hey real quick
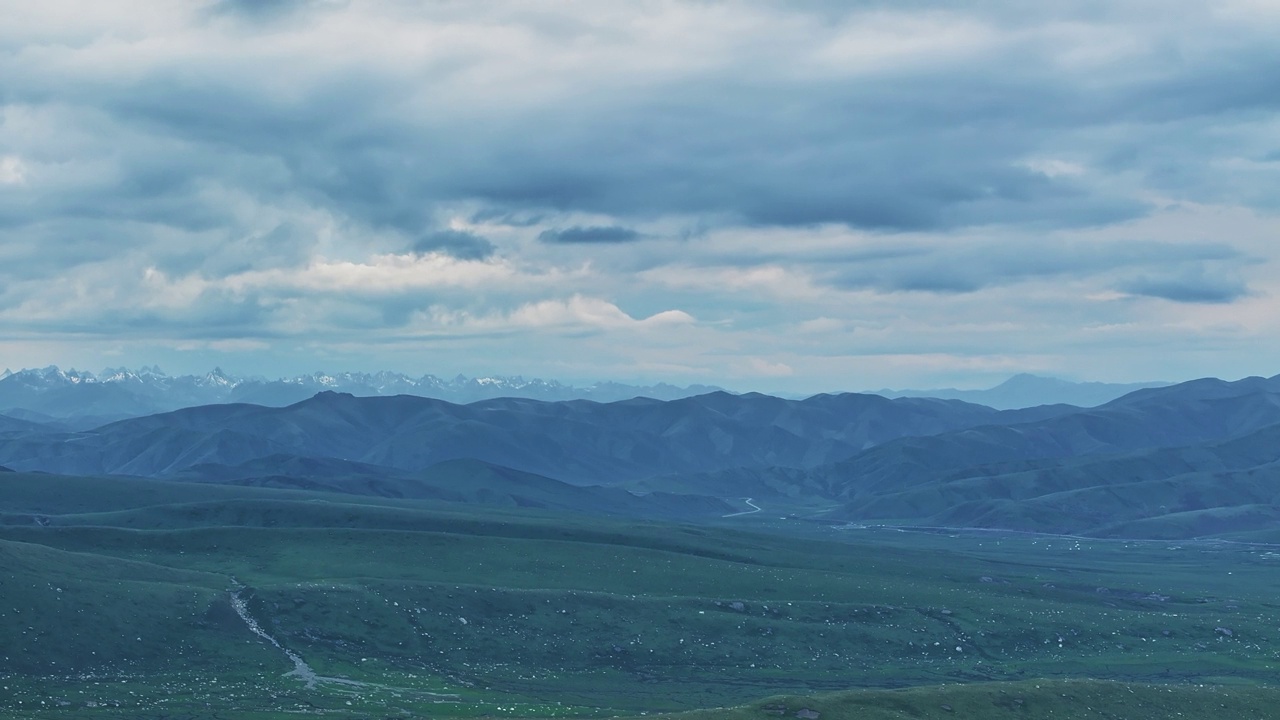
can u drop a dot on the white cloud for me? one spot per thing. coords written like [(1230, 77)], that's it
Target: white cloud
[(1054, 167), (759, 367), (575, 313), (235, 345), (383, 274), (898, 41), (12, 170)]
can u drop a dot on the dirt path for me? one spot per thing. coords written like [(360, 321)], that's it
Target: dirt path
[(305, 672), (300, 669), (755, 509)]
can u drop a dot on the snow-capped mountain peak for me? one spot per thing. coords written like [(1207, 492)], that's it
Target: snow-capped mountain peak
[(218, 378), (50, 377), (149, 390)]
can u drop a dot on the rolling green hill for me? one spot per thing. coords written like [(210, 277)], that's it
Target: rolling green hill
[(1042, 700), (580, 442), (121, 591)]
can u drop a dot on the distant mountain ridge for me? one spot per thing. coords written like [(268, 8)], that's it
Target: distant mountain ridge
[(1027, 390), (1196, 459), (82, 400), (1187, 460), (577, 441), (87, 399)]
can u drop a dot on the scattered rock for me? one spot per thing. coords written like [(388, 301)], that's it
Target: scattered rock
[(737, 606), (947, 708), (807, 714), (1224, 631)]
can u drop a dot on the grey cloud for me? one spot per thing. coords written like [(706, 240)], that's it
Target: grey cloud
[(238, 156), (912, 149), (264, 9), (214, 315), (590, 235), (508, 217), (972, 266), (459, 244), (1192, 286)]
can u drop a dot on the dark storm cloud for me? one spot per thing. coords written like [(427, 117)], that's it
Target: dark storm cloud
[(927, 147), (261, 9), (579, 235), (1194, 286), (459, 244), (972, 266)]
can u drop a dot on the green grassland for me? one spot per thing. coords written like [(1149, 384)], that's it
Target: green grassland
[(1057, 699), (115, 601)]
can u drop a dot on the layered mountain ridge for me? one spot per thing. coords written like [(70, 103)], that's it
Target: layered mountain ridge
[(1198, 458)]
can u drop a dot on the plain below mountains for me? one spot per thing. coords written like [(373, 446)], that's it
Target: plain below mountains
[(1195, 459)]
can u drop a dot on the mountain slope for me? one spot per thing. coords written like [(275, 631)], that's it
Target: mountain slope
[(1203, 455), (462, 481), (1202, 411), (1201, 458), (576, 441)]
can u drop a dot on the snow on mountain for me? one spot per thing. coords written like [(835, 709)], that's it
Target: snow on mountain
[(123, 392), (218, 379), (50, 377)]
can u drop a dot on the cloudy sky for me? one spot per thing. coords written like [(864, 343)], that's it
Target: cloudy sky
[(802, 196)]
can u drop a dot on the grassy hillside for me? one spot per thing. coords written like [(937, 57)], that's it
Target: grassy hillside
[(1192, 460), (580, 442), (523, 610), (68, 611), (1027, 700)]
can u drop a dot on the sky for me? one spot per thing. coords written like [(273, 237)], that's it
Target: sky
[(798, 197)]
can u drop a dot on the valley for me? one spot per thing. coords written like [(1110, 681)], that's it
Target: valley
[(402, 557), (522, 610)]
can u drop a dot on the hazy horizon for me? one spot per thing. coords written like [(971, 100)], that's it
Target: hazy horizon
[(1044, 380)]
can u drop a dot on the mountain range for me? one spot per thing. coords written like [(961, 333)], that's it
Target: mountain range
[(1193, 459), (83, 400), (1027, 390)]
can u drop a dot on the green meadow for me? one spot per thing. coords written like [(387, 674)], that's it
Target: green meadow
[(118, 602)]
